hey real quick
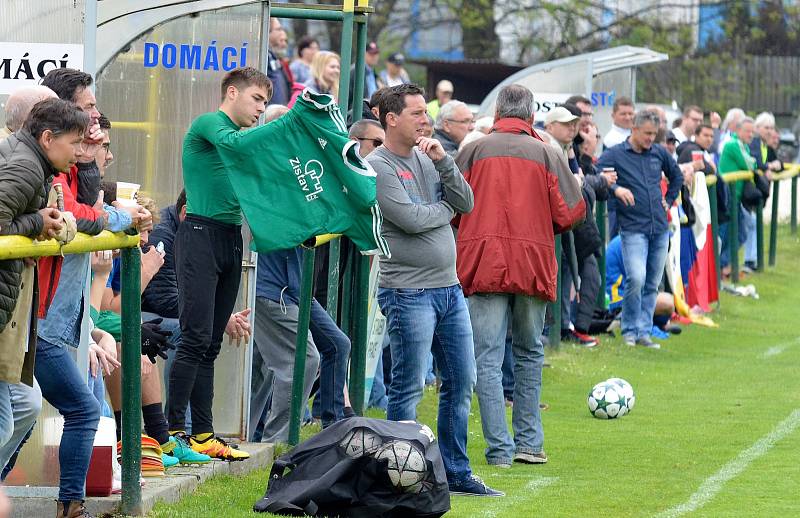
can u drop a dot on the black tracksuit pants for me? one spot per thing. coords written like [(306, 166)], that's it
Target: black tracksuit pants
[(208, 262)]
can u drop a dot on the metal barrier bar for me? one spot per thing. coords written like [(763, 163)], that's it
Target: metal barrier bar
[(358, 354), (793, 217), (760, 236), (600, 218), (773, 225), (301, 346), (131, 381), (733, 235), (346, 52), (15, 247), (555, 328), (358, 83), (332, 301)]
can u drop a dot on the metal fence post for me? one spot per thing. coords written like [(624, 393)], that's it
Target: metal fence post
[(733, 234), (358, 82), (346, 52), (760, 236), (131, 381), (358, 353), (301, 346), (555, 329), (600, 219), (793, 219), (773, 224), (332, 302)]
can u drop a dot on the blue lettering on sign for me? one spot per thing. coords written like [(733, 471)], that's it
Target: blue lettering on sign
[(194, 57), (603, 98)]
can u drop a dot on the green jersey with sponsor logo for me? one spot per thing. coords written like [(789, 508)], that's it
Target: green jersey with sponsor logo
[(301, 176)]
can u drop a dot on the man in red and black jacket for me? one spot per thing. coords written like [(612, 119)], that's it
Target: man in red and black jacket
[(525, 193)]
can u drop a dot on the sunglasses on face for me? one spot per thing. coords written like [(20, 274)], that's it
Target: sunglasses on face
[(375, 141)]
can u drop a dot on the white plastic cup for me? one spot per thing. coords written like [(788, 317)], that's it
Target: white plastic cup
[(128, 194)]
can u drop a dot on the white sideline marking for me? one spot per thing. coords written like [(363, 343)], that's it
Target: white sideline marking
[(732, 469), (778, 349), (530, 488)]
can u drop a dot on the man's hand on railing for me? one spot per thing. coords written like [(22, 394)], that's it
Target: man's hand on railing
[(625, 196), (53, 222), (154, 340)]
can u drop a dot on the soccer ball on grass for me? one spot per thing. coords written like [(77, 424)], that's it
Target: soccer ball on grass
[(610, 399)]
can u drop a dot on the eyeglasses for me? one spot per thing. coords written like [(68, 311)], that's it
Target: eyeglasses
[(375, 141), (587, 114), (464, 121)]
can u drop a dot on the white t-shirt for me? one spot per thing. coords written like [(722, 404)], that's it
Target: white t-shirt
[(616, 136)]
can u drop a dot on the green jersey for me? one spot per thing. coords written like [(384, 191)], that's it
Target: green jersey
[(301, 176), (209, 192)]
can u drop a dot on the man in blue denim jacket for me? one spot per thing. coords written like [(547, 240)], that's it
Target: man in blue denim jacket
[(642, 218)]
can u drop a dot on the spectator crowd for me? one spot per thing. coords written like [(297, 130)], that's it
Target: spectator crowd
[(471, 209)]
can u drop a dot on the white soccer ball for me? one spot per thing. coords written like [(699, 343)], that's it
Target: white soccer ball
[(627, 391), (360, 441), (406, 465), (606, 401)]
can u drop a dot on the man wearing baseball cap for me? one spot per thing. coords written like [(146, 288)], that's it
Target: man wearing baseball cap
[(394, 74), (444, 94), (561, 126)]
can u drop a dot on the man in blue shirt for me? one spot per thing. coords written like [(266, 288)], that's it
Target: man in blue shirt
[(642, 219)]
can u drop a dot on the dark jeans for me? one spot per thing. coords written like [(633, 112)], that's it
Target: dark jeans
[(580, 313), (64, 387), (208, 262)]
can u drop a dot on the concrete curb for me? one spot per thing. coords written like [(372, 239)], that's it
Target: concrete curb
[(179, 482)]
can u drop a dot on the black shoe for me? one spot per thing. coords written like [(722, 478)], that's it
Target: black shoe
[(474, 486)]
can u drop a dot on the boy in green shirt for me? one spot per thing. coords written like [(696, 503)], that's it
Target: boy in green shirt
[(208, 259)]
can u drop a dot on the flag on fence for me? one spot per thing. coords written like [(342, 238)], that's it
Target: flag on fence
[(301, 176), (701, 280)]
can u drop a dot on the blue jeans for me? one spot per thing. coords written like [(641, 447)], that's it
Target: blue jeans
[(508, 367), (26, 403), (644, 257), (64, 387), (6, 414), (377, 396), (334, 351), (724, 252), (751, 244), (97, 386), (421, 321), (489, 314)]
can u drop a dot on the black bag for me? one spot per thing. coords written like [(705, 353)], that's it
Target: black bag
[(587, 235), (755, 192), (319, 478)]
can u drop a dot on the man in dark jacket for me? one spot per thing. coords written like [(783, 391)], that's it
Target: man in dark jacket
[(642, 217), (277, 68), (524, 193), (453, 123), (30, 158)]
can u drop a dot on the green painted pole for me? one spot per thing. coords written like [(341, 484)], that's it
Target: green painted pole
[(712, 197), (773, 224), (358, 353), (347, 292), (346, 51), (332, 302), (600, 218), (733, 234), (760, 236), (555, 329), (358, 83), (301, 346), (793, 220), (328, 15), (131, 381)]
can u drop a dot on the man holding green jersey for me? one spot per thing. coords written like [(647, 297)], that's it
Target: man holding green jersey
[(208, 258)]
